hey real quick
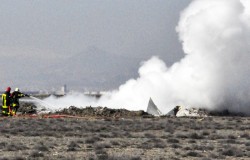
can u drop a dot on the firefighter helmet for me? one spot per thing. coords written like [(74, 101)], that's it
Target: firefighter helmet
[(8, 89)]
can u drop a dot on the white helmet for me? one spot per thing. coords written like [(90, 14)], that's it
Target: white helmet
[(17, 89)]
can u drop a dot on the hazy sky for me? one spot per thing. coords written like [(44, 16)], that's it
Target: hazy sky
[(37, 34)]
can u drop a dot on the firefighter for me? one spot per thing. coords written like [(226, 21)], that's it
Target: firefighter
[(15, 96), (6, 101)]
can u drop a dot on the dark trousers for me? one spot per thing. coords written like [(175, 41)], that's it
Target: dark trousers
[(5, 111)]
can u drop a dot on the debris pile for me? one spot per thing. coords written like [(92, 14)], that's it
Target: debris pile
[(178, 111), (27, 108), (102, 112), (152, 110), (191, 112)]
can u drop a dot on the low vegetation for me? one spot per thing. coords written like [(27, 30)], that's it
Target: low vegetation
[(119, 138)]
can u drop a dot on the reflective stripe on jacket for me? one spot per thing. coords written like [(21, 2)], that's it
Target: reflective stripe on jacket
[(6, 100)]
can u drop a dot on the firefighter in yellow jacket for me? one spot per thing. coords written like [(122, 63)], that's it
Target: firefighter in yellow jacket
[(15, 96), (6, 101)]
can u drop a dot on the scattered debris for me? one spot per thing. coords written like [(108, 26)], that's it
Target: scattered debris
[(180, 111), (101, 112), (27, 108), (152, 110)]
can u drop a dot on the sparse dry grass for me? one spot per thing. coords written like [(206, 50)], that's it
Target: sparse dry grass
[(149, 138)]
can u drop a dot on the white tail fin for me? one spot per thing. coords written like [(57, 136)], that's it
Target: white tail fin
[(152, 108)]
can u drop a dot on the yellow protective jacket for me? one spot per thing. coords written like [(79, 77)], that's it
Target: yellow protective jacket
[(15, 98), (6, 99)]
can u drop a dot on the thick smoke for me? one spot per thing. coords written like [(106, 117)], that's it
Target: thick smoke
[(214, 72)]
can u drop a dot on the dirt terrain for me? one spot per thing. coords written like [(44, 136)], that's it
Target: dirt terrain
[(102, 133)]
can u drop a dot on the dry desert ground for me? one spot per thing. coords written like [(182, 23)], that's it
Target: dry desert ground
[(136, 138)]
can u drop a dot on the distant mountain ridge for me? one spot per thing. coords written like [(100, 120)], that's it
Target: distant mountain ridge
[(93, 69)]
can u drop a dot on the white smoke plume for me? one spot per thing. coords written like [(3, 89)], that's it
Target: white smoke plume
[(214, 72)]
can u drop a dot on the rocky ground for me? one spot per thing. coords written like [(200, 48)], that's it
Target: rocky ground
[(102, 133)]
